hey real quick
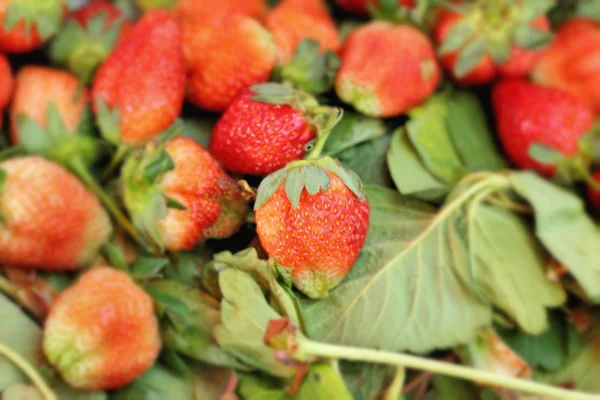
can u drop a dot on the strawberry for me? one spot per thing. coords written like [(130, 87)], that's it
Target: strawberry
[(313, 217), (143, 81), (491, 37), (102, 332), (48, 220), (7, 83), (289, 121), (88, 37), (178, 195), (186, 8), (27, 24), (38, 87), (225, 54), (362, 6), (387, 69), (528, 114), (572, 62), (291, 22)]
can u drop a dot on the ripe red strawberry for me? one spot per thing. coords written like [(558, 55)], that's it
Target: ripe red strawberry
[(26, 24), (38, 87), (313, 217), (291, 22), (387, 69), (48, 219), (485, 41), (144, 77), (88, 37), (361, 6), (186, 8), (288, 123), (224, 54), (572, 62), (178, 195), (528, 114), (7, 83), (102, 332)]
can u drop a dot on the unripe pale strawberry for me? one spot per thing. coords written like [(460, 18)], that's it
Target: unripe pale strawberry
[(102, 332), (48, 219)]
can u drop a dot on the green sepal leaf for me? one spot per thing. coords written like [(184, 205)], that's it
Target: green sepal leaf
[(500, 50), (54, 123), (532, 9), (294, 184), (148, 267), (174, 204), (109, 121), (528, 37), (545, 155), (273, 93), (95, 25), (457, 37), (45, 16), (269, 186), (115, 257), (167, 302), (470, 56), (315, 179), (32, 136), (157, 164), (349, 177)]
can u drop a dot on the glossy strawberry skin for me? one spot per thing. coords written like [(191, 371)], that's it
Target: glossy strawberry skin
[(519, 64), (101, 332), (7, 83), (291, 22), (49, 219), (258, 138), (527, 114), (361, 6), (37, 87), (145, 78), (320, 239), (224, 54), (214, 204), (572, 62), (387, 69)]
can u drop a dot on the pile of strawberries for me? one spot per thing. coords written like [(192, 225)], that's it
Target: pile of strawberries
[(97, 167)]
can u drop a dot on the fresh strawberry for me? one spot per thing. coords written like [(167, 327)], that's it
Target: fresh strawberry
[(178, 195), (491, 37), (528, 114), (88, 37), (288, 123), (362, 6), (313, 217), (102, 332), (387, 69), (38, 87), (143, 79), (7, 83), (186, 8), (27, 24), (572, 62), (291, 22), (225, 53), (48, 220)]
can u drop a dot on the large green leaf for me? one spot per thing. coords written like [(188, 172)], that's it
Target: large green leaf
[(158, 383), (402, 293), (351, 131), (564, 228), (368, 160)]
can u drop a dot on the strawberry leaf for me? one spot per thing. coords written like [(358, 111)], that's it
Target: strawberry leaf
[(148, 267), (470, 56), (316, 178), (273, 93), (108, 121), (349, 177), (268, 187), (32, 136), (457, 37), (294, 185), (530, 38), (156, 165), (545, 155), (115, 257), (174, 204), (157, 383)]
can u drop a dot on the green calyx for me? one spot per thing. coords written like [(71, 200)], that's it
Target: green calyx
[(109, 121), (148, 5), (310, 70), (311, 175), (45, 15), (492, 27), (143, 198), (82, 50)]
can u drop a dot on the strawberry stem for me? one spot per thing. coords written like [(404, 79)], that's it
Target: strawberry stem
[(28, 370), (309, 348), (122, 152)]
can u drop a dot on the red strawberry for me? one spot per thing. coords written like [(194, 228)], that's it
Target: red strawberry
[(187, 199), (144, 77), (225, 53), (387, 69), (102, 332), (572, 62), (528, 114), (7, 83), (362, 6), (484, 41), (291, 22), (313, 217), (38, 87), (267, 127), (27, 24), (48, 220), (186, 8), (88, 37)]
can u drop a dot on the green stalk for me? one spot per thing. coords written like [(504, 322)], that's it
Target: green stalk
[(309, 348), (122, 152), (29, 371)]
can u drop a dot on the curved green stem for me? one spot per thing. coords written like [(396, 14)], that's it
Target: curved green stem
[(28, 370), (79, 168), (122, 152), (310, 348)]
